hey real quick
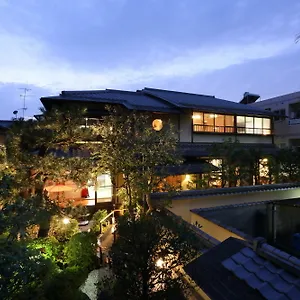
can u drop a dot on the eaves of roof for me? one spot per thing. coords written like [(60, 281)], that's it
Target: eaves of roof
[(205, 103), (107, 100), (192, 194)]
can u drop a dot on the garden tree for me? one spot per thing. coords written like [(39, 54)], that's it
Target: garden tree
[(243, 166), (231, 154), (22, 272), (147, 256), (41, 150), (131, 147), (289, 165)]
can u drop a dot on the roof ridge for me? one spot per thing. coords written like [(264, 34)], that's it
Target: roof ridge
[(285, 260), (121, 91), (81, 92), (171, 91)]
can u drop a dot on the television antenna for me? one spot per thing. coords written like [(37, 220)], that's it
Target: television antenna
[(23, 96)]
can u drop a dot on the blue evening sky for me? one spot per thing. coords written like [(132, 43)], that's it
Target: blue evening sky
[(218, 47)]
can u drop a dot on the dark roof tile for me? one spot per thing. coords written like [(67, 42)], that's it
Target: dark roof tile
[(230, 264), (288, 277), (254, 281), (271, 267), (259, 260), (294, 293), (252, 266), (265, 275), (248, 252), (268, 292), (280, 285), (240, 258)]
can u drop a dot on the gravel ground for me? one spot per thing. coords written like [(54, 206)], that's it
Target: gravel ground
[(90, 285)]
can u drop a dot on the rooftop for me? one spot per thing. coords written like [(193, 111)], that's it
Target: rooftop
[(277, 221), (236, 270), (156, 100), (227, 191)]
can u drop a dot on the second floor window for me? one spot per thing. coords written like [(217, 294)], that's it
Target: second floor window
[(208, 122)]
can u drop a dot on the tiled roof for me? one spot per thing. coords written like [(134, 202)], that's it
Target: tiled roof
[(235, 270), (204, 102), (271, 281), (5, 123), (217, 281), (204, 149), (158, 100), (227, 191), (131, 100)]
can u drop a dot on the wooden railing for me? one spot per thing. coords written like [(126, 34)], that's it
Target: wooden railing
[(110, 215)]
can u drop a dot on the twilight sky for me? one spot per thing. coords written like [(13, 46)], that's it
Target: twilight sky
[(217, 47)]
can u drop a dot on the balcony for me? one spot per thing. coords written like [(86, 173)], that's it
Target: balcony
[(294, 121)]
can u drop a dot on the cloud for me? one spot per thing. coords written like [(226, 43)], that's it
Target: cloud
[(25, 59)]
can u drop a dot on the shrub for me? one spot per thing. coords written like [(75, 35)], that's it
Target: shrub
[(49, 248), (62, 232), (65, 284), (22, 272), (80, 251), (97, 217)]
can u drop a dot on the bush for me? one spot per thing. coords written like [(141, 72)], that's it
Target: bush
[(62, 232), (65, 285), (80, 251), (97, 217), (22, 272), (49, 248)]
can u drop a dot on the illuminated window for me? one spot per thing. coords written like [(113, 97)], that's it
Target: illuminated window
[(253, 125), (157, 124), (209, 122), (102, 189)]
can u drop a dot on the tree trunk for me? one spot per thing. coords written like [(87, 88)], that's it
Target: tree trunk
[(149, 203)]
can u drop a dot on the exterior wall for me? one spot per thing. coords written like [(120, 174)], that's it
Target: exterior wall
[(289, 128), (185, 128), (214, 230), (250, 139), (219, 138), (211, 138), (183, 206)]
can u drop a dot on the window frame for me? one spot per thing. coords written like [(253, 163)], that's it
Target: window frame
[(264, 130)]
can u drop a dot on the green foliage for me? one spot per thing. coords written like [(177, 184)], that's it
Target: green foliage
[(140, 244), (22, 272), (39, 150), (130, 146), (63, 232), (65, 284), (289, 165), (17, 216), (49, 248), (97, 217), (80, 251)]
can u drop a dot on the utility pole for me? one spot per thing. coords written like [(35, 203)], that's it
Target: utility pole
[(24, 95)]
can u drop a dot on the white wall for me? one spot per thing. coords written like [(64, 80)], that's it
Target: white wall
[(182, 207)]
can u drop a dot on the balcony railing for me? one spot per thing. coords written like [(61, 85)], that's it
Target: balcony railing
[(294, 121)]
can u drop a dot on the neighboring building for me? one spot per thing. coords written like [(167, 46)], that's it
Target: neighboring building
[(286, 120), (200, 120)]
